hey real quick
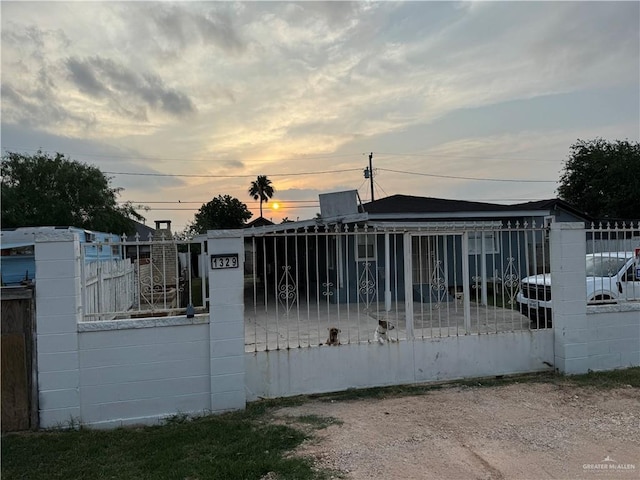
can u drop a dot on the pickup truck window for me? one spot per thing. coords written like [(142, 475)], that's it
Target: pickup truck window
[(604, 266)]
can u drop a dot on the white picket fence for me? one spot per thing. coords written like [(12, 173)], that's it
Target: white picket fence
[(135, 279), (109, 287)]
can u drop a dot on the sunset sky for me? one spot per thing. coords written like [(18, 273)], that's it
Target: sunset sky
[(473, 101)]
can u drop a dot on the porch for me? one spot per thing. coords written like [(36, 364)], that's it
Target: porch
[(271, 327)]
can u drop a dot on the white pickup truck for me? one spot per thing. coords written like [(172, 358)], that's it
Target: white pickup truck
[(611, 277)]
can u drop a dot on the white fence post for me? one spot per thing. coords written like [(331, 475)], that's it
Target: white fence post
[(568, 294), (226, 314), (408, 285), (58, 310)]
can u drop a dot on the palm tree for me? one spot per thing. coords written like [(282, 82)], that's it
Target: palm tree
[(261, 189)]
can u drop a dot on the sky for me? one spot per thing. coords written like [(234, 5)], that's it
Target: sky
[(179, 102)]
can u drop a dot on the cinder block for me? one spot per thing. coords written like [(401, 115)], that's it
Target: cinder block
[(227, 365), (55, 399), (609, 361), (222, 402), (57, 250), (69, 379), (576, 350), (57, 343), (113, 374), (145, 389), (227, 347), (624, 345), (62, 269), (52, 324), (598, 348), (56, 362), (227, 383), (61, 305), (134, 355), (573, 366), (563, 321), (61, 417), (630, 359), (575, 335), (226, 296), (221, 330), (227, 313)]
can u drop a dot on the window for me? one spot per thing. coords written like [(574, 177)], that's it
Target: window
[(490, 243), (423, 257), (365, 247)]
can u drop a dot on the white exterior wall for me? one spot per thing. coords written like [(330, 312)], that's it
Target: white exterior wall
[(281, 373)]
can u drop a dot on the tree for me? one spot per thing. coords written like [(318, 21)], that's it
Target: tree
[(40, 190), (603, 178), (223, 211), (261, 189)]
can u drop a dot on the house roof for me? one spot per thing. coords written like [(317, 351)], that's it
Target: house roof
[(259, 222), (143, 231), (407, 206), (553, 204), (411, 204)]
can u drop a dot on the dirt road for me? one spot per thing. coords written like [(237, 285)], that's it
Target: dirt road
[(520, 431)]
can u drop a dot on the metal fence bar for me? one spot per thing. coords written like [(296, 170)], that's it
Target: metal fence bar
[(349, 280), (119, 280)]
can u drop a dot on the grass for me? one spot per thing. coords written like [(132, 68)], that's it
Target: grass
[(230, 446), (238, 445)]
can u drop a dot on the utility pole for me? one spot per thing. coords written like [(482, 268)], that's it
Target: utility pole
[(368, 173)]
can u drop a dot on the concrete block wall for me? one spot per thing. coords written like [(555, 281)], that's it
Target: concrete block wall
[(226, 304), (58, 310), (282, 373), (139, 371), (613, 336), (586, 338), (136, 372)]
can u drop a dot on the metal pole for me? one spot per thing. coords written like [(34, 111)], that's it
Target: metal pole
[(371, 174)]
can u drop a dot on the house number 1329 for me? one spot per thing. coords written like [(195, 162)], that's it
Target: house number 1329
[(225, 260)]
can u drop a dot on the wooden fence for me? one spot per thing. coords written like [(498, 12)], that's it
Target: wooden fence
[(19, 360), (109, 287)]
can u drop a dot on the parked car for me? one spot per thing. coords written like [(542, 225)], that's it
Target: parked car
[(611, 277)]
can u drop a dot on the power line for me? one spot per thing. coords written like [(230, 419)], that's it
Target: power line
[(303, 155), (168, 159), (157, 209), (200, 203), (484, 157), (453, 177), (231, 176), (467, 178)]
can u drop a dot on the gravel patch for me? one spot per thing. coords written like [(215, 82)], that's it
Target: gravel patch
[(520, 431)]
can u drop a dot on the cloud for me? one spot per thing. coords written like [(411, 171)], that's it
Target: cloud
[(172, 29), (123, 86), (83, 76)]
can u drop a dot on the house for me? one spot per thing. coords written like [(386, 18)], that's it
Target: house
[(18, 264), (453, 244), (259, 222), (143, 235)]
